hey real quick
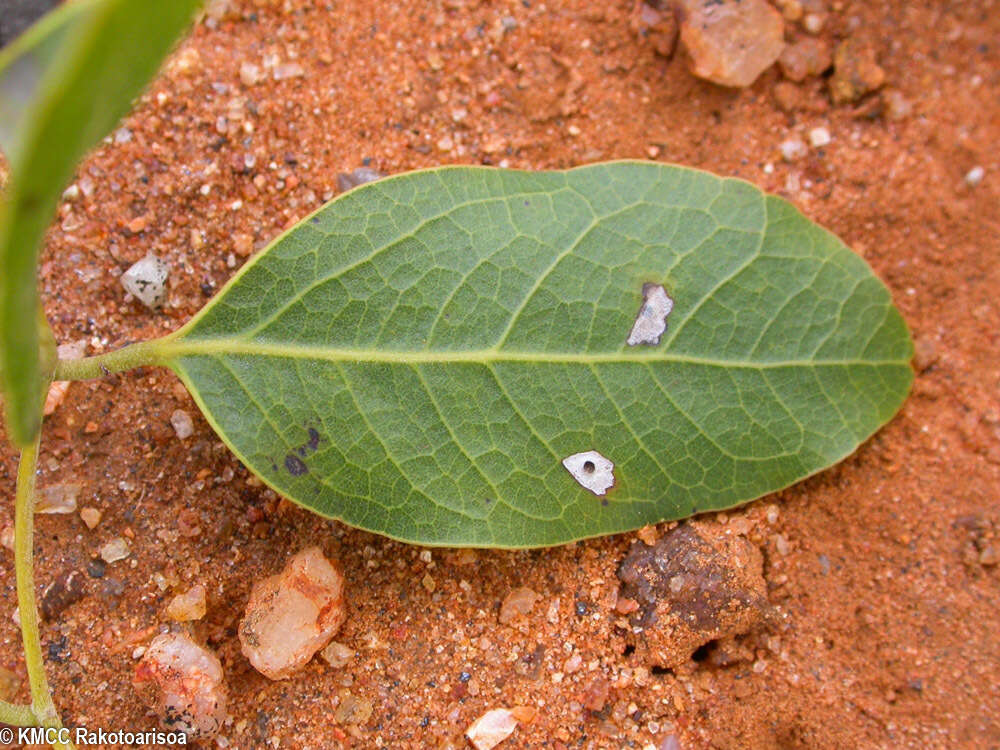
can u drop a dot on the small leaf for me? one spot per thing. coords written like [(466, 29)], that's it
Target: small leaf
[(63, 86), (443, 356)]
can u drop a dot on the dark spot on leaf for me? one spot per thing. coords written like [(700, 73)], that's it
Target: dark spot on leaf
[(604, 502), (296, 467), (315, 220), (588, 466), (313, 443), (301, 450)]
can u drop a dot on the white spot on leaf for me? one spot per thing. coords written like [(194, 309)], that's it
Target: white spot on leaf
[(593, 471), (651, 321)]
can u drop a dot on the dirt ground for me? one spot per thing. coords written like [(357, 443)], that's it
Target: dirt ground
[(880, 573)]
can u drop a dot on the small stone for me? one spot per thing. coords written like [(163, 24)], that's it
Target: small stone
[(123, 135), (807, 57), (731, 42), (780, 544), (285, 71), (183, 683), (988, 555), (10, 683), (58, 498), (96, 568), (793, 149), (137, 225), (492, 728), (72, 193), (250, 74), (855, 71), (819, 137), (814, 22), (435, 61), (182, 424), (524, 714), (974, 176), (494, 145), (114, 550), (352, 709), (791, 10), (517, 603), (67, 589), (55, 396), (655, 24), (243, 244), (788, 96), (292, 615), (647, 534), (361, 175), (337, 655), (146, 280), (925, 353), (697, 584), (897, 107), (72, 349), (595, 695), (90, 516), (573, 664), (187, 606)]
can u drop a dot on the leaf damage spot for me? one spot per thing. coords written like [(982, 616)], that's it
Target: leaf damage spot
[(651, 321), (295, 465), (313, 443), (592, 471)]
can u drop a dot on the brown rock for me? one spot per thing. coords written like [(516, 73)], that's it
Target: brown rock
[(788, 96), (63, 592), (183, 683), (547, 85), (655, 23), (189, 605), (243, 244), (292, 615), (596, 694), (807, 57), (517, 603), (492, 728), (731, 42), (693, 586), (855, 71)]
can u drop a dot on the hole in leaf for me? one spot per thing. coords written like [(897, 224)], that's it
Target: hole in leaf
[(591, 470), (651, 320)]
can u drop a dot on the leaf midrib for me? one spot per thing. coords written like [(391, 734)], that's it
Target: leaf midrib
[(174, 348)]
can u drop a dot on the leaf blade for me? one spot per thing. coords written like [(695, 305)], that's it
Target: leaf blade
[(64, 84), (362, 364)]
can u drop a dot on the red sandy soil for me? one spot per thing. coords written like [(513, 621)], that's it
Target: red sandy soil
[(881, 571)]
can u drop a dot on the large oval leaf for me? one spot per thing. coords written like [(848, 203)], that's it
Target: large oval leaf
[(63, 84), (420, 356)]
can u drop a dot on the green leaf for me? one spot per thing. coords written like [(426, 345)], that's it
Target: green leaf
[(63, 85), (419, 356)]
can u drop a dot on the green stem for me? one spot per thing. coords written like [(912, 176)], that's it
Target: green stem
[(24, 526), (17, 715), (126, 358)]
